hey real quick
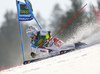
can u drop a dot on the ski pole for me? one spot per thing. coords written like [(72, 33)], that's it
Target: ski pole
[(69, 20)]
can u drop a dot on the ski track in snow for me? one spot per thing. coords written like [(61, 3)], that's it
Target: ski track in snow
[(84, 61)]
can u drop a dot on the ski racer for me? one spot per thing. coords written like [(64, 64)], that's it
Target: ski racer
[(41, 42)]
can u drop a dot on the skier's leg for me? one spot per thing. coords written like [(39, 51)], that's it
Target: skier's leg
[(67, 46), (58, 42), (53, 50), (42, 50), (55, 45)]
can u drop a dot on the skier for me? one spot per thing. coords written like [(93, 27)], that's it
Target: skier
[(41, 42)]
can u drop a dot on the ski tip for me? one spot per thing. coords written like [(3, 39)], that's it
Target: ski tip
[(30, 61), (26, 62)]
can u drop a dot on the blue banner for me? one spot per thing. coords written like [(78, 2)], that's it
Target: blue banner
[(23, 12)]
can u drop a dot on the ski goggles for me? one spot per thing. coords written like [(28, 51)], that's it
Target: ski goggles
[(30, 34)]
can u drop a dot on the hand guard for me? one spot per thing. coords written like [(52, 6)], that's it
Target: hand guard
[(33, 55)]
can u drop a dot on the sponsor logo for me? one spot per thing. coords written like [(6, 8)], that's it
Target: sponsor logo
[(26, 7), (40, 41), (42, 51), (24, 10)]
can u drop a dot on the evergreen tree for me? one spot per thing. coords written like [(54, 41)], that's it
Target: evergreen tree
[(40, 20), (10, 43), (70, 29), (91, 15), (99, 4), (56, 14)]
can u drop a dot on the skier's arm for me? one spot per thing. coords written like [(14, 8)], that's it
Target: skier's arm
[(33, 50)]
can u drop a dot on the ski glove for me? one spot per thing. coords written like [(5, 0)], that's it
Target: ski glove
[(33, 55), (46, 43)]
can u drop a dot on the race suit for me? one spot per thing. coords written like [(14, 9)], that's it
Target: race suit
[(54, 44)]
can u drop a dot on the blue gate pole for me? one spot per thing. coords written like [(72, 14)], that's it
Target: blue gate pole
[(20, 32), (37, 22), (32, 13)]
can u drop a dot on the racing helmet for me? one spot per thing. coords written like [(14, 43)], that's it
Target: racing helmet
[(31, 31)]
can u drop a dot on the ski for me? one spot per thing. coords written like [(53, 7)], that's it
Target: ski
[(30, 61), (53, 53), (50, 56)]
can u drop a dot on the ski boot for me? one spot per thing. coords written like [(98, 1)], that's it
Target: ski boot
[(79, 45)]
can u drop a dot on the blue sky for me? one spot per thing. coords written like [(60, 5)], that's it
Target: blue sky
[(45, 7)]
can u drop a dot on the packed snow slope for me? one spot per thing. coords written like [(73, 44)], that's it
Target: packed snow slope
[(83, 61)]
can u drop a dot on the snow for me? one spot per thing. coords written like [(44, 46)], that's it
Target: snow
[(83, 61)]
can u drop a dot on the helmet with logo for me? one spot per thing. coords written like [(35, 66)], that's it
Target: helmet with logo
[(31, 31)]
